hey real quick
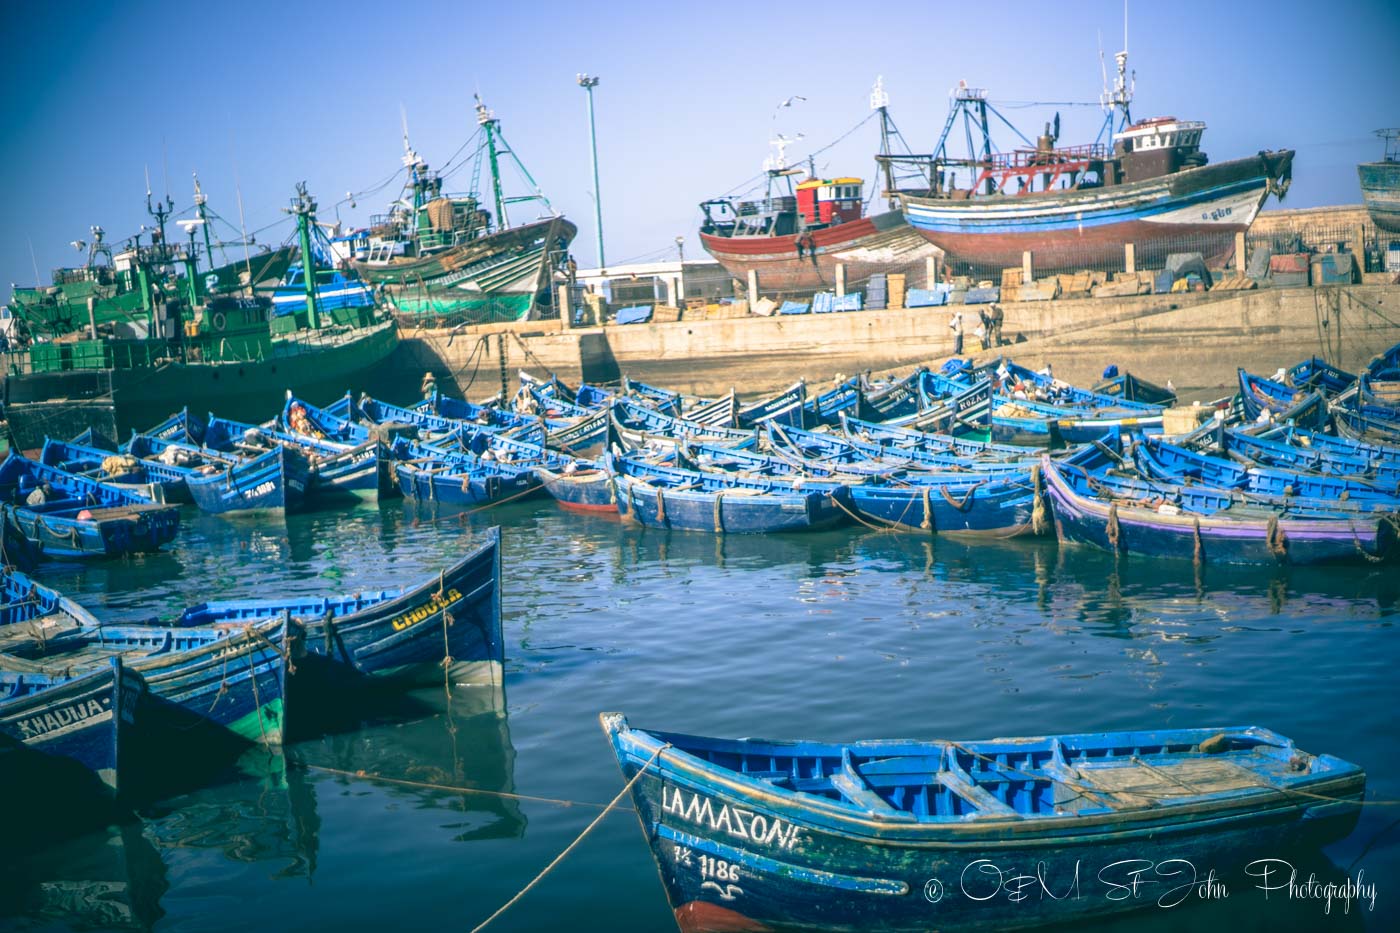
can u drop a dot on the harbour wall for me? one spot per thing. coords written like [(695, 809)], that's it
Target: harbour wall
[(1194, 339)]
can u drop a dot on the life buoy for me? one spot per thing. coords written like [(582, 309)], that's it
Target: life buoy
[(218, 321)]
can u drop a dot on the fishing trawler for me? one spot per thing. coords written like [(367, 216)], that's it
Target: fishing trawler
[(158, 334), (1075, 207), (797, 234), (1380, 183), (444, 259)]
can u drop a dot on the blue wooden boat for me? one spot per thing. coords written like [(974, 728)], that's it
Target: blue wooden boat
[(817, 445), (753, 834), (665, 401), (581, 486), (1161, 460), (431, 474), (965, 412), (227, 483), (787, 407), (405, 634), (1259, 394), (1316, 373), (1374, 454), (660, 496), (898, 399), (231, 677), (722, 411), (829, 407), (302, 419), (335, 471), (124, 471), (1385, 366), (848, 469), (1130, 388), (488, 415), (1362, 426), (82, 518), (933, 442), (90, 717), (1270, 449), (638, 426), (996, 505), (1046, 388), (1205, 525)]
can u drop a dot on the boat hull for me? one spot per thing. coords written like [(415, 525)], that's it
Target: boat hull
[(882, 243), (1076, 229), (585, 490), (1380, 192), (734, 855), (87, 718), (116, 402)]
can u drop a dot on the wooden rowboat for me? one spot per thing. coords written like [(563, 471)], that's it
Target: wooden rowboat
[(902, 835)]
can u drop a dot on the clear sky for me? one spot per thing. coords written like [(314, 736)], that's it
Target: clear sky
[(271, 93)]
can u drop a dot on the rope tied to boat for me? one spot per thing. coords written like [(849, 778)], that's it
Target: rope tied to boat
[(1275, 538), (660, 507), (1112, 529), (1197, 554), (963, 504), (571, 846), (1040, 522), (927, 523), (719, 512)]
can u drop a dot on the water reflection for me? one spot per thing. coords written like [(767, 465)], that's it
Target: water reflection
[(110, 881)]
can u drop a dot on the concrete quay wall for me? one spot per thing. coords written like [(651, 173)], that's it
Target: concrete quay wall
[(1194, 339)]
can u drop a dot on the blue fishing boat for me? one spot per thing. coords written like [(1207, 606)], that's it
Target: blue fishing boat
[(230, 677), (447, 625), (638, 426), (431, 474), (1385, 366), (967, 412), (121, 470), (1206, 526), (817, 445), (1369, 426), (304, 420), (221, 483), (66, 515), (1259, 394), (752, 834), (1317, 373), (1131, 388), (829, 407), (89, 717), (1161, 460), (581, 486), (459, 410), (660, 496), (1336, 460), (787, 407), (663, 400), (722, 411), (898, 399), (904, 439), (335, 471), (1374, 454)]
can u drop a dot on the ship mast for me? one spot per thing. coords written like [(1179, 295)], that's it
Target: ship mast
[(304, 207), (491, 126), (880, 101), (200, 199)]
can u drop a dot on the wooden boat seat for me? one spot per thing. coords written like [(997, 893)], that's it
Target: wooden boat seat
[(851, 785), (132, 511)]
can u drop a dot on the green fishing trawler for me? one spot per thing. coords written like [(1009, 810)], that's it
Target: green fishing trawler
[(444, 259), (136, 335)]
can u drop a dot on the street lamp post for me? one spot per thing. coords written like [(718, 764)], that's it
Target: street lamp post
[(588, 83), (680, 247)]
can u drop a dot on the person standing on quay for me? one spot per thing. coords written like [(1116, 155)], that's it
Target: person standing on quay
[(997, 316), (956, 324)]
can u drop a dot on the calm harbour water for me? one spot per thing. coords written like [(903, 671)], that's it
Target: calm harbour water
[(840, 635)]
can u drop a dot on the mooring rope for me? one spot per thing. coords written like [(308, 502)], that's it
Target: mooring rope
[(571, 846)]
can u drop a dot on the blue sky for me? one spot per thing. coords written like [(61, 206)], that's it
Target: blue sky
[(275, 93)]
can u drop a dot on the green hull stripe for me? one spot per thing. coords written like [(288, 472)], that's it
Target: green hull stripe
[(261, 725)]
